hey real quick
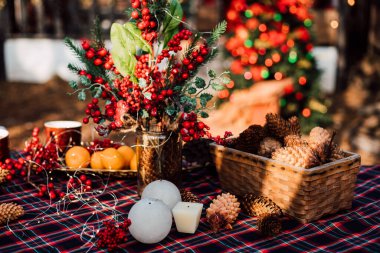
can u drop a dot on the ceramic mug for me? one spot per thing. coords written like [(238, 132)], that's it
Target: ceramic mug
[(4, 144), (65, 133)]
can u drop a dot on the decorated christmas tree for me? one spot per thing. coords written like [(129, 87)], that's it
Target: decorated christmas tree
[(272, 40)]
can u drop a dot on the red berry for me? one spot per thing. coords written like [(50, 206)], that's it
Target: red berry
[(102, 52), (200, 59), (95, 100), (98, 62), (83, 178), (85, 45), (200, 125), (88, 182), (141, 26), (204, 51), (96, 120), (85, 120), (135, 14), (43, 188), (107, 65), (145, 11), (186, 61), (136, 4), (195, 54), (90, 54), (186, 138), (89, 76), (184, 131), (52, 195), (185, 75), (62, 195), (82, 72), (110, 112), (50, 185), (88, 188), (169, 93), (186, 124)]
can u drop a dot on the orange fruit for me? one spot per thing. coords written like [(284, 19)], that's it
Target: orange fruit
[(133, 164), (127, 153), (112, 159), (77, 157), (96, 161)]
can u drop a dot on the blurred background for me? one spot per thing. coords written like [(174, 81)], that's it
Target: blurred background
[(330, 75)]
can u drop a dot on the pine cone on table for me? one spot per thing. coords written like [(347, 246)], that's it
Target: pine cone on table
[(223, 212), (3, 175), (269, 224), (188, 196), (303, 156), (249, 140), (254, 205), (267, 146), (10, 212), (279, 127)]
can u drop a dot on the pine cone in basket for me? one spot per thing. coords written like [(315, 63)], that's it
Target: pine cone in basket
[(249, 140), (254, 205), (3, 174), (302, 156), (223, 211), (321, 141), (294, 141), (269, 224), (197, 151), (188, 196), (279, 127), (10, 212), (267, 146)]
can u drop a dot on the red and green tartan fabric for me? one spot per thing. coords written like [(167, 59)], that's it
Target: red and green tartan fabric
[(42, 229)]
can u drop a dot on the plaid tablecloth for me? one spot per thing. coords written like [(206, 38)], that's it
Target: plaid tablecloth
[(49, 227)]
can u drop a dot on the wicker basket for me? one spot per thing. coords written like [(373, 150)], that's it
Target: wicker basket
[(305, 194)]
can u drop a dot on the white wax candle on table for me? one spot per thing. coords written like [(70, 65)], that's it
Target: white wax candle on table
[(187, 216)]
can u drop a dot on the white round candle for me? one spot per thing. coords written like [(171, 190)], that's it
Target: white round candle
[(151, 221), (163, 190)]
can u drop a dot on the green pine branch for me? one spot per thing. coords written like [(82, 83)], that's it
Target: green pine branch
[(218, 31), (97, 35)]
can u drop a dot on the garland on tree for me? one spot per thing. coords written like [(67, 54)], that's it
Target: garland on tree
[(271, 40)]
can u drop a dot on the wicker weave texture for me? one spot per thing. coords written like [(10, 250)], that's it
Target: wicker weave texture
[(305, 194)]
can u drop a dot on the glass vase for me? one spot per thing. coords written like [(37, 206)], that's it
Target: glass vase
[(159, 156)]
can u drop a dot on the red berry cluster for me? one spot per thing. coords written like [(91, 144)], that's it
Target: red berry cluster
[(142, 69), (174, 44), (42, 157), (93, 111), (144, 19), (100, 57), (97, 145), (191, 128), (196, 58), (112, 235), (221, 140), (16, 168), (131, 93), (50, 191), (79, 185)]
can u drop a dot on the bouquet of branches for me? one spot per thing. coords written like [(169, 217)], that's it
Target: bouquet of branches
[(149, 77)]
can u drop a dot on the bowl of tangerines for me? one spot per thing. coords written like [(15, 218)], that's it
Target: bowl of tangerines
[(101, 157)]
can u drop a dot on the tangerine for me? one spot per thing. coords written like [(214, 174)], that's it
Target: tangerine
[(127, 153), (133, 164), (77, 157), (96, 161), (112, 159)]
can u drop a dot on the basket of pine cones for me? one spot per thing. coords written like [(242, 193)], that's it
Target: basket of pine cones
[(306, 176)]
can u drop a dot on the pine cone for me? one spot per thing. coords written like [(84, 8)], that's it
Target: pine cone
[(249, 140), (294, 141), (10, 212), (254, 205), (188, 196), (269, 224), (197, 151), (268, 146), (302, 156), (223, 211), (3, 175), (318, 136), (279, 128), (321, 141)]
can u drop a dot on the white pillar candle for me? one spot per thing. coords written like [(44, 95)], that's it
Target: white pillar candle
[(187, 216)]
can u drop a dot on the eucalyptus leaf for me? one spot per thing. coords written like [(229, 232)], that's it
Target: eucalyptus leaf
[(200, 83), (204, 114), (84, 80), (142, 83), (211, 73), (144, 114), (172, 20), (191, 90), (148, 95), (204, 98), (225, 80), (126, 41), (73, 85), (82, 95), (170, 110), (217, 86), (97, 92)]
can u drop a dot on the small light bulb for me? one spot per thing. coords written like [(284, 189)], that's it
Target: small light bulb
[(351, 2), (334, 24)]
